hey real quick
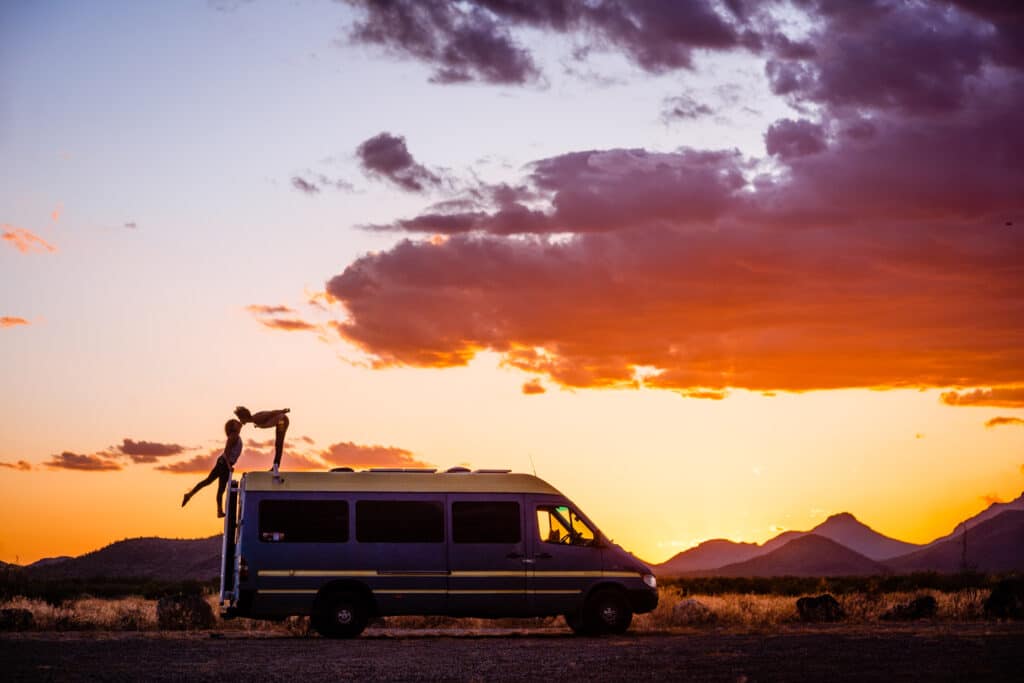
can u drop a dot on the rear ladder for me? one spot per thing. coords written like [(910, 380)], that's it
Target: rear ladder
[(228, 594)]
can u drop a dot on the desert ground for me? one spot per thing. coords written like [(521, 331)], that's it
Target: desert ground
[(922, 651)]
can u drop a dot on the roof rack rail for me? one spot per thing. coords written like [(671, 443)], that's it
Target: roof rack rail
[(404, 470), (487, 471)]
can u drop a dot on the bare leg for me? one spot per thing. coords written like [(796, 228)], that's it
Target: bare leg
[(222, 483), (210, 478), (282, 427)]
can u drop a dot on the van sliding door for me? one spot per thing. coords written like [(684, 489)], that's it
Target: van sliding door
[(402, 537), (486, 555)]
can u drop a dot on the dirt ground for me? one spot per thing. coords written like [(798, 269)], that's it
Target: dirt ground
[(929, 652)]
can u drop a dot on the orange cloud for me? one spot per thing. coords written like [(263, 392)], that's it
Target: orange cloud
[(84, 463), (999, 397), (148, 451), (259, 309), (21, 465), (763, 310), (9, 321), (533, 387), (57, 212), (288, 324), (24, 241), (709, 395), (998, 421), (268, 316), (348, 454)]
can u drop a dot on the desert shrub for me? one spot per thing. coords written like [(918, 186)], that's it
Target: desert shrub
[(16, 619), (820, 608), (184, 612), (921, 607), (1006, 600)]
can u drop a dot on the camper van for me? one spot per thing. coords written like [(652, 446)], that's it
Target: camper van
[(343, 547)]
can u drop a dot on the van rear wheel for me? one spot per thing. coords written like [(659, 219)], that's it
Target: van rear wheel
[(606, 611), (340, 615)]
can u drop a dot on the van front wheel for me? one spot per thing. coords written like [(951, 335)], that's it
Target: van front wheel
[(340, 615), (606, 611)]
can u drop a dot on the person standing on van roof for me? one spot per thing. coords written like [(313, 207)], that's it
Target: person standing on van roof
[(222, 468), (265, 419)]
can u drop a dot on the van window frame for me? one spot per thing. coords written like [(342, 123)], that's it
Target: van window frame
[(438, 505)]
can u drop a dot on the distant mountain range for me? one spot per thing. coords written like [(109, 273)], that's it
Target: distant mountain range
[(839, 546), (165, 559), (843, 546)]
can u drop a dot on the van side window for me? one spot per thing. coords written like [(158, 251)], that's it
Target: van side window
[(560, 524), (303, 521), (399, 521), (485, 522)]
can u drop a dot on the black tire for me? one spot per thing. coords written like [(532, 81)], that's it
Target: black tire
[(606, 611), (340, 615)]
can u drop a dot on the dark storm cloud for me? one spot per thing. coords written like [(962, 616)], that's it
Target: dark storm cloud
[(386, 156), (872, 247), (465, 41)]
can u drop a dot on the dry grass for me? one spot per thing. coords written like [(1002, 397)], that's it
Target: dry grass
[(727, 610), (752, 611)]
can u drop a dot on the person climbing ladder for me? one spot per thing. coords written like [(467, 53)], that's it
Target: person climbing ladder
[(265, 419)]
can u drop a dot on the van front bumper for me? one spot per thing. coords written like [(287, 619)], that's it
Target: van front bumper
[(643, 599)]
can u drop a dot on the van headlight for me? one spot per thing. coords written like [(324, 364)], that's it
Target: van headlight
[(650, 580)]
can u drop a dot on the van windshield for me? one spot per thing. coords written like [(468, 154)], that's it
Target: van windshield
[(560, 524)]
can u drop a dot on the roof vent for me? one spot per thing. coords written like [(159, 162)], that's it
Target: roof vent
[(456, 470), (342, 469), (492, 471)]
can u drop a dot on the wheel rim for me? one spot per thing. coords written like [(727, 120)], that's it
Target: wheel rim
[(343, 616), (609, 614)]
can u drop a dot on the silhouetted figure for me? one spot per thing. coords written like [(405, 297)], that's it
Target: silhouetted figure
[(222, 468), (265, 419)]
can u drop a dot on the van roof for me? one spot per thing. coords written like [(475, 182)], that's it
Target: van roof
[(419, 482)]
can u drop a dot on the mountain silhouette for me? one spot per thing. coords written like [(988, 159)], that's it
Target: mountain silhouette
[(46, 561), (993, 510), (993, 545), (808, 555), (847, 530), (843, 528), (157, 558), (708, 555)]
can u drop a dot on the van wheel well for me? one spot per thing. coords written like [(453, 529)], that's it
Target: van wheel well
[(605, 610), (605, 586), (357, 587)]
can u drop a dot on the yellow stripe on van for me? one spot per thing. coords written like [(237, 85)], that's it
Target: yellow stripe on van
[(463, 574), (318, 572)]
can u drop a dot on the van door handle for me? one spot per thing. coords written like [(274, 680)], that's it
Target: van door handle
[(514, 556), (543, 556)]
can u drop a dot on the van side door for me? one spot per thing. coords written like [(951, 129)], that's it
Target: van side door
[(486, 555), (564, 555)]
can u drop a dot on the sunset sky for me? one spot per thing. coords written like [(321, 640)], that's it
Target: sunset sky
[(714, 268)]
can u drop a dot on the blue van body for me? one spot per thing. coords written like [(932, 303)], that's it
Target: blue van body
[(346, 546)]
